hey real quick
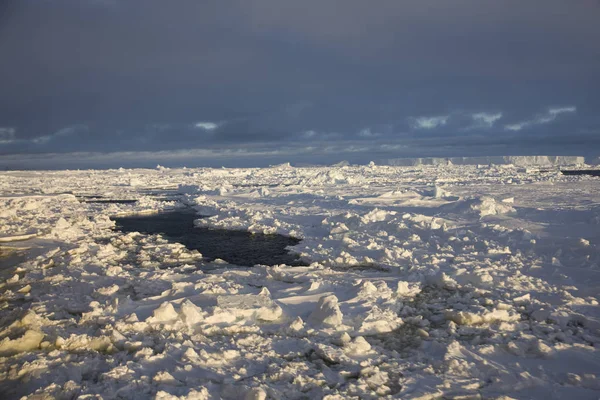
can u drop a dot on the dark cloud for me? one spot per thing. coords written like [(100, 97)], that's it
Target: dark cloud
[(138, 75)]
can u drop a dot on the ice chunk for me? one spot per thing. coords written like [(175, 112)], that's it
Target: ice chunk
[(541, 349), (108, 291), (438, 192), (441, 280), (29, 341), (377, 320), (406, 289), (367, 288), (25, 289), (62, 224), (190, 313), (165, 378), (471, 318), (255, 394), (84, 343), (358, 347), (526, 298), (327, 312), (296, 325), (482, 207), (165, 313), (375, 215), (249, 306), (583, 242)]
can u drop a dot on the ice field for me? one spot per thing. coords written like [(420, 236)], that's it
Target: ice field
[(420, 282)]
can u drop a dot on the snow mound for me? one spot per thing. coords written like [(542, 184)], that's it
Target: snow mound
[(327, 312), (165, 313), (250, 307), (331, 177), (479, 206)]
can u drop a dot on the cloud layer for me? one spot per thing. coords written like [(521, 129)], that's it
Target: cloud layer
[(485, 119), (126, 76), (430, 122), (541, 119)]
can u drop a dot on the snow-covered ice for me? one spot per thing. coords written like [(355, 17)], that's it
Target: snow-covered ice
[(423, 281)]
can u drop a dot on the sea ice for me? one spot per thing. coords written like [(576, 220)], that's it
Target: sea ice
[(431, 280)]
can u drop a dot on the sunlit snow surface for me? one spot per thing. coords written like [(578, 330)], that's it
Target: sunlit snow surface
[(424, 282)]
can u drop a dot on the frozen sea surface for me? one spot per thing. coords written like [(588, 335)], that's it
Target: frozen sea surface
[(424, 282)]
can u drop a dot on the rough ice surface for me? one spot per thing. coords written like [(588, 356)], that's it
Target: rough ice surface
[(424, 282)]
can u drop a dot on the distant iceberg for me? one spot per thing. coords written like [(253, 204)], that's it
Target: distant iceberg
[(547, 161)]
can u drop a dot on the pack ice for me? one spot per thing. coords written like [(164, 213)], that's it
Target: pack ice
[(422, 282)]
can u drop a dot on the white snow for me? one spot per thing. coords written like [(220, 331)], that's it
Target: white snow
[(327, 312), (447, 280)]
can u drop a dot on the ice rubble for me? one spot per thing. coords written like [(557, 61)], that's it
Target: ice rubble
[(424, 282)]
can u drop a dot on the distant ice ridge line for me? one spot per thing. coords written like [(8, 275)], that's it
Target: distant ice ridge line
[(549, 161)]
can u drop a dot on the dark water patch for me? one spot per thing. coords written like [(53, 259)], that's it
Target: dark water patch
[(159, 192), (235, 247), (590, 172), (363, 267), (166, 199), (261, 185), (10, 257), (111, 201)]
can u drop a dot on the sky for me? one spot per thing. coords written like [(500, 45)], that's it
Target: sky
[(108, 83)]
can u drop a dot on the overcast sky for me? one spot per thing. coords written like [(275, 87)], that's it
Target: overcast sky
[(365, 79)]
